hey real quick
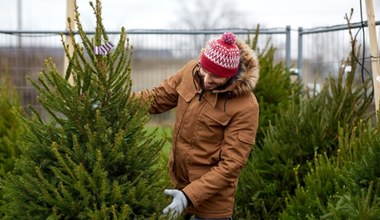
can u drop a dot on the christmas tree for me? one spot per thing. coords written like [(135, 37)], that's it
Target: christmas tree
[(92, 158), (10, 129), (308, 128)]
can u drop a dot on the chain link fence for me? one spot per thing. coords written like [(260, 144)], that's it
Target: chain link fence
[(323, 51), (157, 53), (314, 54)]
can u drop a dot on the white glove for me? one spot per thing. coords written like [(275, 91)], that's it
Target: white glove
[(178, 204)]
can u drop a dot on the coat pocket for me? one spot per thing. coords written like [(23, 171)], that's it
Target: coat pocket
[(246, 138), (218, 117), (211, 126)]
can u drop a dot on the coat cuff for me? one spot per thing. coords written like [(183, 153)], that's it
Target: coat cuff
[(189, 202)]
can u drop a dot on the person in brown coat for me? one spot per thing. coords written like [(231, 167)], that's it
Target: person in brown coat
[(216, 122)]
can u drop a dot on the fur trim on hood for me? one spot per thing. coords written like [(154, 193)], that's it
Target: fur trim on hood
[(248, 73)]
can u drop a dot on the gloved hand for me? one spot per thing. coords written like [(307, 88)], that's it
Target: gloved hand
[(178, 204)]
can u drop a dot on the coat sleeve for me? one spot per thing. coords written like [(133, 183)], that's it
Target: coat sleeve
[(238, 141), (165, 96)]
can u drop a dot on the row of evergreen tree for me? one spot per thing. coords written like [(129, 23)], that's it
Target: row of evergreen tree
[(317, 153)]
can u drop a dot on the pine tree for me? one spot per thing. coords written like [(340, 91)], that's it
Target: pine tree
[(299, 132), (275, 89), (345, 186), (10, 128), (92, 157)]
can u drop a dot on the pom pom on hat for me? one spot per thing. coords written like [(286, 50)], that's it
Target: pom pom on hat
[(229, 38), (222, 56)]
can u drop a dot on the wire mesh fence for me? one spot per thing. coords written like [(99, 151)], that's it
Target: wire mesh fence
[(157, 53), (323, 51), (314, 54)]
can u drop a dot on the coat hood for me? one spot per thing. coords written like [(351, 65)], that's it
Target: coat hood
[(248, 73)]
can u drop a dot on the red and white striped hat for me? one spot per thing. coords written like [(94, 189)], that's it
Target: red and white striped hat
[(221, 57)]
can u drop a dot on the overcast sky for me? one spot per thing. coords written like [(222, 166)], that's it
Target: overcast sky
[(154, 14)]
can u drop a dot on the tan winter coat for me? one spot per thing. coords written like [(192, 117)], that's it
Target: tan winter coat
[(213, 133)]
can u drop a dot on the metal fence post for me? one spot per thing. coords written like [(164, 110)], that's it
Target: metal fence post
[(300, 54), (288, 47)]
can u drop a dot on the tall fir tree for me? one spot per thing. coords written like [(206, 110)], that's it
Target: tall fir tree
[(306, 127), (92, 157), (10, 128), (276, 89), (345, 186)]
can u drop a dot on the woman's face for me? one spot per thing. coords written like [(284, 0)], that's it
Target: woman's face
[(212, 81)]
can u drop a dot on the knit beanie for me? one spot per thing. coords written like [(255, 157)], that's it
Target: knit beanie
[(221, 57)]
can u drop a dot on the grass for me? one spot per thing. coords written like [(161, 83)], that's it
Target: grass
[(161, 133)]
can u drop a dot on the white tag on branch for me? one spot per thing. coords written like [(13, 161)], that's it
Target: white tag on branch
[(378, 78), (346, 68)]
